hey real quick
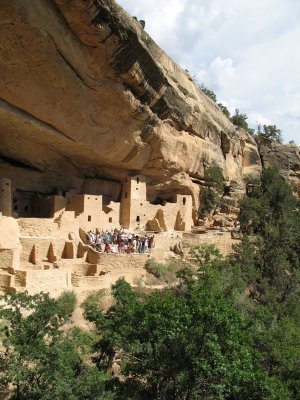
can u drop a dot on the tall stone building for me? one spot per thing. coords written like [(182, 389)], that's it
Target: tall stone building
[(5, 197)]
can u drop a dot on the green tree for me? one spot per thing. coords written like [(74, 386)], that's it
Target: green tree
[(210, 93), (240, 120), (188, 345), (274, 216), (270, 264), (224, 109), (40, 360), (269, 132), (211, 195)]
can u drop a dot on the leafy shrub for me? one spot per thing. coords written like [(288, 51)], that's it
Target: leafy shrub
[(155, 268), (208, 93), (231, 134), (67, 301), (205, 253), (252, 179), (224, 109), (269, 132), (210, 196), (240, 120), (94, 298)]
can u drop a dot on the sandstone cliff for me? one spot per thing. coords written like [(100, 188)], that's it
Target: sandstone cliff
[(87, 96), (286, 157)]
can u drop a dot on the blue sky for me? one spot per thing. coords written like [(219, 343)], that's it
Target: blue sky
[(246, 51)]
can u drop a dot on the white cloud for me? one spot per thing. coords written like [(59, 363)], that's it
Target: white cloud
[(258, 119), (218, 73), (160, 18), (246, 51)]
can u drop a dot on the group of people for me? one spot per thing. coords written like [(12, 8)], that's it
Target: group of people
[(119, 241)]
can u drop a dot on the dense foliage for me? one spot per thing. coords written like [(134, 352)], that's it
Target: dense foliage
[(211, 194), (229, 330), (240, 119), (40, 360)]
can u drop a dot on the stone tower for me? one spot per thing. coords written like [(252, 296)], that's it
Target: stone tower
[(133, 201), (5, 197)]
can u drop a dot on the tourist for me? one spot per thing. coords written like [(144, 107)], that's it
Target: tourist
[(121, 247), (134, 242), (146, 245), (91, 238), (98, 241)]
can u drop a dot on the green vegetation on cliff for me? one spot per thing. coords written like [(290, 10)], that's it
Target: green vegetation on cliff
[(211, 194)]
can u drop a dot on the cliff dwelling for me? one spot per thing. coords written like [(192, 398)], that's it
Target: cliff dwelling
[(48, 246), (88, 211)]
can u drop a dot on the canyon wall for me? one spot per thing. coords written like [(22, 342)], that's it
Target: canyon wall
[(87, 97)]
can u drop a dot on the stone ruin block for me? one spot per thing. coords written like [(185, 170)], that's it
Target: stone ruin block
[(82, 250), (6, 258), (5, 280), (20, 278), (33, 256), (179, 224), (69, 250), (51, 257), (93, 257)]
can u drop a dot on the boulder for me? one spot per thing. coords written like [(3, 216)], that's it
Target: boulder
[(235, 235), (9, 233), (177, 249)]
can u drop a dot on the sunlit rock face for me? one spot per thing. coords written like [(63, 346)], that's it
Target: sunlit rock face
[(87, 95)]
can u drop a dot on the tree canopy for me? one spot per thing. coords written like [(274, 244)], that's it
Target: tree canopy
[(240, 119), (211, 194), (40, 360), (269, 132)]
